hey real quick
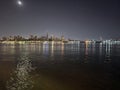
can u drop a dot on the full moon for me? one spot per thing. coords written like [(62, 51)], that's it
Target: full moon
[(19, 2)]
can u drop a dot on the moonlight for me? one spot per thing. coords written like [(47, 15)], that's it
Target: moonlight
[(19, 2)]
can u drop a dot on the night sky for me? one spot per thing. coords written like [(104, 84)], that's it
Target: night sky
[(75, 19)]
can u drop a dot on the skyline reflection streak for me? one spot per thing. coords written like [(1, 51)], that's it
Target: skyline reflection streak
[(58, 66), (86, 52), (52, 48), (9, 49), (45, 49), (62, 49), (108, 53), (21, 78)]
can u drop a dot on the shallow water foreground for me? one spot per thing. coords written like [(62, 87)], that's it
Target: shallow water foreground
[(60, 67)]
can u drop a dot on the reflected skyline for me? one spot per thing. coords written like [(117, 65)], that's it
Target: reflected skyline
[(108, 53), (39, 66), (57, 49)]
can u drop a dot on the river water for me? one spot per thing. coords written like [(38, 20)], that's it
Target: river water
[(60, 67)]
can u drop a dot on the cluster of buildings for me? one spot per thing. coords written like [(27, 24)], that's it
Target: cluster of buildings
[(32, 38), (46, 39)]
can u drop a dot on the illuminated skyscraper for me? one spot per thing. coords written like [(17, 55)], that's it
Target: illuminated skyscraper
[(62, 38)]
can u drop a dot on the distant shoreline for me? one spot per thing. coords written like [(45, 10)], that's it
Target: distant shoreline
[(60, 42)]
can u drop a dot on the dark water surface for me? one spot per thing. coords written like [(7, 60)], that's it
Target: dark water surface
[(60, 67)]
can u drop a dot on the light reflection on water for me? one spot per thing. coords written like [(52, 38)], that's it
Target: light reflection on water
[(108, 53), (20, 77), (84, 62)]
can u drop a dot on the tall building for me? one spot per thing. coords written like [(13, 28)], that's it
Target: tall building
[(62, 38), (47, 37)]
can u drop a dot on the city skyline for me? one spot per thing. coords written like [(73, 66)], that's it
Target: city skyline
[(76, 19), (48, 37)]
